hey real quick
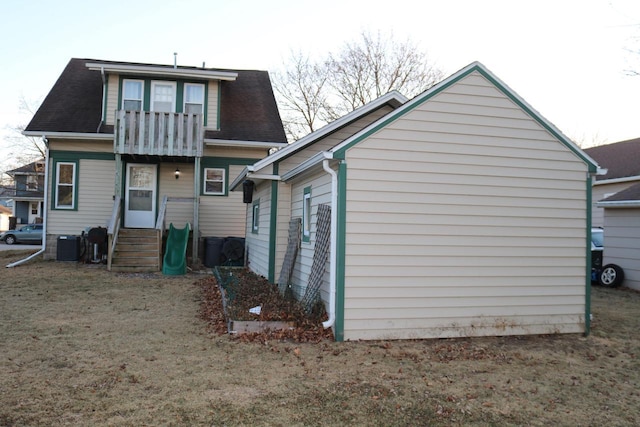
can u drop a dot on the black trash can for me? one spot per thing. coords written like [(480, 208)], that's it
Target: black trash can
[(213, 251), (68, 248)]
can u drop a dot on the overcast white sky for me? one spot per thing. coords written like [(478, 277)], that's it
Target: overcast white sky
[(567, 58)]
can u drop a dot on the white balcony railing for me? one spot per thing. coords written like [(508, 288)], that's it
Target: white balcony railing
[(158, 134)]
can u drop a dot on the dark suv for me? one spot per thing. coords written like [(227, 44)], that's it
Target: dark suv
[(611, 275)]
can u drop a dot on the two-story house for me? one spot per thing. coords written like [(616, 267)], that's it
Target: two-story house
[(28, 192), (134, 146)]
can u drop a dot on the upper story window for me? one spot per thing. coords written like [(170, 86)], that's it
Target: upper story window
[(132, 91), (193, 98), (163, 96), (32, 183)]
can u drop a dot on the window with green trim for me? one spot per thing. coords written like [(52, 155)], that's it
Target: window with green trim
[(132, 91), (306, 215), (193, 98), (255, 218), (214, 181), (65, 185)]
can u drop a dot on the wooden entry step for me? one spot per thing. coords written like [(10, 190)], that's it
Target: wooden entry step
[(137, 250)]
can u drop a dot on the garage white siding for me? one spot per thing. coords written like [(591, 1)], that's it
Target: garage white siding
[(257, 243), (464, 217), (622, 243)]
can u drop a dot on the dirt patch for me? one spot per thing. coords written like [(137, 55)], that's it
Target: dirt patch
[(81, 346), (245, 292)]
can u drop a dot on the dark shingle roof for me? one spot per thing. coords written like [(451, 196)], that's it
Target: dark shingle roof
[(33, 167), (630, 194), (620, 159), (248, 108)]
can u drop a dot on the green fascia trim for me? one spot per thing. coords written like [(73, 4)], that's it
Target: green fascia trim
[(341, 239), (273, 222), (587, 302), (394, 115), (76, 179), (71, 156)]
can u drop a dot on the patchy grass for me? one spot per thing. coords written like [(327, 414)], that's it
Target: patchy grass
[(81, 346)]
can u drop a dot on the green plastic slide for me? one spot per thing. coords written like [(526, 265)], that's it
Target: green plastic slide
[(175, 253)]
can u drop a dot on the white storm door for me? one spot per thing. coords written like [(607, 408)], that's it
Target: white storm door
[(140, 196)]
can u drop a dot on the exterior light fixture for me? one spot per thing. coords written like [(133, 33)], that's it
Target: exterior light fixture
[(177, 173)]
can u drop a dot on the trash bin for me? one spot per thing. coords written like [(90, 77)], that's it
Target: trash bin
[(68, 248), (213, 251)]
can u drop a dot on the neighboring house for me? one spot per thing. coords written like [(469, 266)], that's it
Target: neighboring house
[(461, 212), (139, 146), (622, 233), (620, 159), (28, 192)]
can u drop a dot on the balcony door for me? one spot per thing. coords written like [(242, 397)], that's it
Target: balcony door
[(163, 96), (140, 196)]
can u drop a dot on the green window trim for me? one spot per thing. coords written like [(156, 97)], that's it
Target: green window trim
[(255, 217), (306, 215), (179, 99), (57, 186)]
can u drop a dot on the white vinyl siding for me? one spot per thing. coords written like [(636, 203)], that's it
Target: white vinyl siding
[(258, 243), (622, 243), (113, 81), (484, 223), (602, 191), (321, 189), (95, 200)]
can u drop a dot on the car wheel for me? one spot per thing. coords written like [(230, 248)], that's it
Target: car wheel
[(10, 240), (611, 276)]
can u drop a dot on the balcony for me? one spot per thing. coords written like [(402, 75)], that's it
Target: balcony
[(158, 134)]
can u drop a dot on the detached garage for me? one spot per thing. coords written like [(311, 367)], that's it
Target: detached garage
[(461, 212)]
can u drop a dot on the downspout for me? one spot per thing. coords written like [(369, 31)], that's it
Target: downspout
[(334, 234), (104, 99), (45, 207)]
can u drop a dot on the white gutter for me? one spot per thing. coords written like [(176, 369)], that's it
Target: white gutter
[(72, 135), (254, 144), (240, 178), (209, 74), (619, 204), (44, 209), (617, 180), (334, 244)]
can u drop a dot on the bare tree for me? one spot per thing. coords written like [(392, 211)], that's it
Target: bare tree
[(311, 94), (23, 149)]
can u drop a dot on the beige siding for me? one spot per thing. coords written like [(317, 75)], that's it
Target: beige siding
[(282, 226), (223, 216), (320, 184), (112, 97), (464, 217), (258, 243), (600, 192), (622, 243), (95, 200), (212, 105), (180, 210)]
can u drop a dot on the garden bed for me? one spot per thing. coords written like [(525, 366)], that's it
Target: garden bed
[(239, 302)]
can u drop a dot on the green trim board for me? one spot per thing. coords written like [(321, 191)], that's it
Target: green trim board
[(587, 299), (341, 239), (80, 155), (340, 150), (273, 224)]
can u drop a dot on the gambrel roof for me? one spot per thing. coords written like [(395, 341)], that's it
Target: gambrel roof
[(248, 109)]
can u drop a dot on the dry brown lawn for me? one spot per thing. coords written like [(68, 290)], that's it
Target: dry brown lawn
[(81, 346)]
